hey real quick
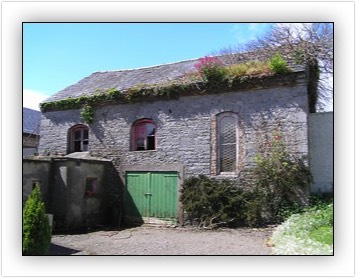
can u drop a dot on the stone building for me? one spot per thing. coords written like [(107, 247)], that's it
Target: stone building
[(31, 120), (159, 125)]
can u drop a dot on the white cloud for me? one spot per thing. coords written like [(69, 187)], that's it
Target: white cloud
[(32, 99)]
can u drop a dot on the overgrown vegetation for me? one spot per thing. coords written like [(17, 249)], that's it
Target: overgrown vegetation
[(278, 190), (307, 43), (212, 203), (36, 238), (306, 233), (87, 114), (213, 71), (281, 181), (278, 64), (210, 76)]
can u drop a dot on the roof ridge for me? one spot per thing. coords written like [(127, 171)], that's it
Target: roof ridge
[(148, 67), (244, 52), (153, 74)]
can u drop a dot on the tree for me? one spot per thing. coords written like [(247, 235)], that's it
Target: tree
[(309, 43), (36, 230)]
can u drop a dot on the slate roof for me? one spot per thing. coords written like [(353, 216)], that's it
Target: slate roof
[(124, 79), (30, 121)]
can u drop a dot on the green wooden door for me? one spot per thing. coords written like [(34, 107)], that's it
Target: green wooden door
[(151, 196)]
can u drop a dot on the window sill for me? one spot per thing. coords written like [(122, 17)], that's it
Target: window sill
[(227, 174), (79, 155), (143, 151)]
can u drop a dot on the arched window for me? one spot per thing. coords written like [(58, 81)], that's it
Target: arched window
[(227, 151), (144, 135), (78, 138)]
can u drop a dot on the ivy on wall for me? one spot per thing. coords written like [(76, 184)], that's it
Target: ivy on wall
[(87, 114)]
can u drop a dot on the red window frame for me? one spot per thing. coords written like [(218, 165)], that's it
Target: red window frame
[(144, 135), (79, 138)]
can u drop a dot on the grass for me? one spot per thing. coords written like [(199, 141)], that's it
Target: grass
[(307, 233), (322, 234)]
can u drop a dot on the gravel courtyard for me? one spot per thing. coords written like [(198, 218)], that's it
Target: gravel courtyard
[(147, 240)]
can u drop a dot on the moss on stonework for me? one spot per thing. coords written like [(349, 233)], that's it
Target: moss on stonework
[(168, 90)]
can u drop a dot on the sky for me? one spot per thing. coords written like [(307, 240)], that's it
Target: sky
[(57, 55)]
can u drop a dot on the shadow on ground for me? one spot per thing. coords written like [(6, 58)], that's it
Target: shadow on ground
[(57, 250)]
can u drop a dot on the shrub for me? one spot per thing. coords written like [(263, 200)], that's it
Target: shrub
[(254, 203), (36, 230), (211, 69), (209, 201), (278, 64), (281, 181), (320, 200), (278, 191)]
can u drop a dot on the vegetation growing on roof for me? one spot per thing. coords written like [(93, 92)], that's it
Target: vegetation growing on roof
[(278, 64), (211, 69), (210, 76)]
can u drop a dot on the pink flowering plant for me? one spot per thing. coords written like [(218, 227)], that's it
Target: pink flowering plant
[(211, 69)]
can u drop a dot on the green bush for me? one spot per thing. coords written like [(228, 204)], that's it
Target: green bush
[(254, 204), (278, 64), (281, 181), (320, 200), (210, 201), (36, 238), (279, 190)]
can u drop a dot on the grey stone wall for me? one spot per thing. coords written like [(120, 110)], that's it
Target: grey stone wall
[(185, 126), (321, 126), (63, 183), (35, 171)]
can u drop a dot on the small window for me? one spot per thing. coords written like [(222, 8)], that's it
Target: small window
[(144, 135), (91, 187), (79, 139), (227, 143)]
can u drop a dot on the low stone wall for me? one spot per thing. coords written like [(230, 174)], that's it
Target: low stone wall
[(36, 172), (63, 183)]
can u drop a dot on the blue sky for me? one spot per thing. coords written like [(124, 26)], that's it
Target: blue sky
[(57, 55)]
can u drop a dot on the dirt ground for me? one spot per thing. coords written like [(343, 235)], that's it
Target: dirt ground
[(146, 240)]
